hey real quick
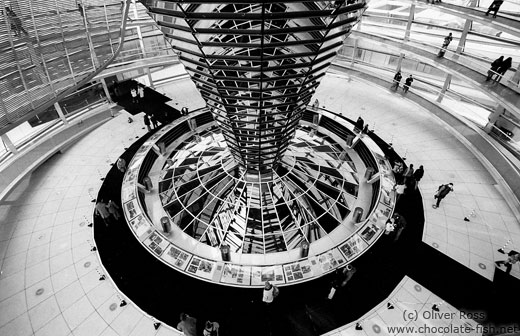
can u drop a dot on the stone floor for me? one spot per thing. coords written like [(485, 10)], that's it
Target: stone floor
[(49, 280)]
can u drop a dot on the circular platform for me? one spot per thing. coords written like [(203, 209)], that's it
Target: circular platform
[(319, 197)]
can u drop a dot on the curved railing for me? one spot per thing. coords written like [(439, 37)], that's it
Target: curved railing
[(346, 249)]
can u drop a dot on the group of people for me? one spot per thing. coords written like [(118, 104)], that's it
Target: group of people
[(395, 226), (137, 94), (188, 326), (150, 122), (499, 68), (406, 178), (397, 80), (107, 211), (340, 279)]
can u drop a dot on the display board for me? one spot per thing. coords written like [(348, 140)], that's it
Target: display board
[(152, 238)]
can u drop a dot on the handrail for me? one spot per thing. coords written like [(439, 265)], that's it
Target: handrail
[(82, 82)]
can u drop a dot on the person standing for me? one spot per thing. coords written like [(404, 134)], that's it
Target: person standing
[(408, 173), (513, 258), (397, 80), (187, 325), (113, 209), (133, 92), (495, 6), (101, 210), (140, 91), (418, 175), (121, 165), (399, 191), (270, 293), (399, 225), (146, 120), (442, 192), (407, 83), (494, 67), (153, 120), (358, 126), (503, 68), (211, 329)]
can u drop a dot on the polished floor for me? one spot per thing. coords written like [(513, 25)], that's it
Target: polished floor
[(49, 281)]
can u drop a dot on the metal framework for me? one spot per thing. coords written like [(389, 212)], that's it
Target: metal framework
[(257, 65)]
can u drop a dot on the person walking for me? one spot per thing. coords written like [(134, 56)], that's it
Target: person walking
[(513, 258), (503, 68), (445, 44), (418, 175), (211, 329), (407, 83), (113, 209), (397, 80), (270, 293), (102, 211), (146, 120), (442, 192), (495, 6), (494, 67), (187, 325)]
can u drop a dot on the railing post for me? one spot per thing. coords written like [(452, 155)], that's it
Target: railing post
[(60, 113), (12, 148)]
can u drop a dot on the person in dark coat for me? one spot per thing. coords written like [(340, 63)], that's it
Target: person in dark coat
[(187, 325), (513, 258), (442, 192), (147, 122), (447, 40), (495, 6), (154, 121), (359, 124), (503, 68), (407, 83), (494, 67), (418, 175), (397, 80)]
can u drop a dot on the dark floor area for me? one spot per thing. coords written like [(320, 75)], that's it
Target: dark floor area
[(153, 103), (301, 309)]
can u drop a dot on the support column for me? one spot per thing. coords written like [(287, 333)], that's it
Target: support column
[(149, 73), (12, 148), (409, 23), (60, 113), (445, 87), (354, 51), (105, 88), (406, 34)]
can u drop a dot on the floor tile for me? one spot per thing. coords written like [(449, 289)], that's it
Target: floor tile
[(56, 327), (44, 312)]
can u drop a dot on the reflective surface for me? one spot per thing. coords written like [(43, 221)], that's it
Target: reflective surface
[(309, 194), (257, 65)]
